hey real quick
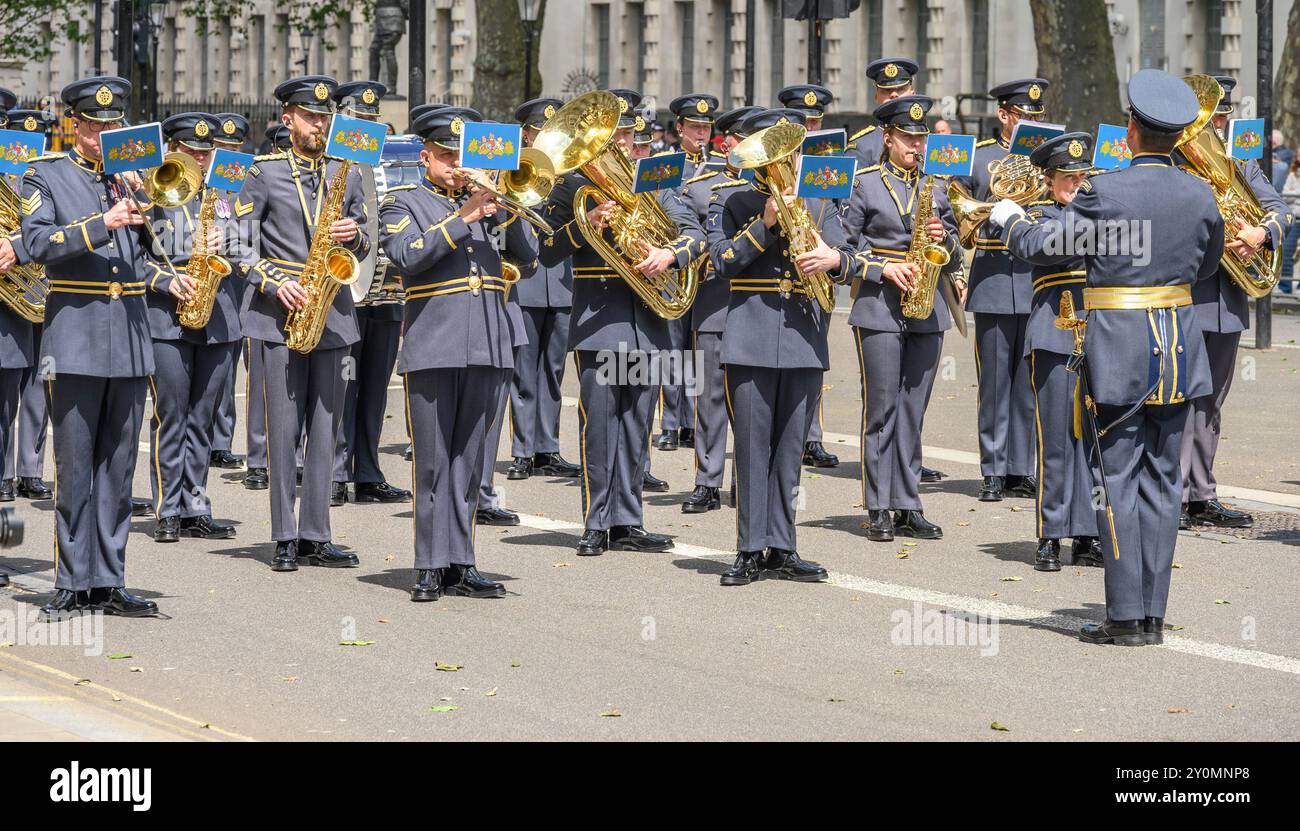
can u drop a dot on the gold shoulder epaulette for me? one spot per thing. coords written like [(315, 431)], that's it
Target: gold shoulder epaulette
[(860, 133), (702, 177), (1038, 202), (730, 183), (986, 142), (269, 156), (870, 169), (394, 188), (48, 157)]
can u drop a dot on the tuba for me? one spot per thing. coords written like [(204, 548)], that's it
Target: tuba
[(772, 150), (207, 270), (22, 288), (580, 137), (1012, 177), (329, 267), (929, 257), (1208, 159)]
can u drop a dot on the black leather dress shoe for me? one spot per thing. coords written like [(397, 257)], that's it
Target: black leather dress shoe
[(33, 487), (593, 543), (225, 459), (1025, 487), (650, 482), (1048, 557), (815, 455), (1153, 630), (338, 494), (286, 556), (207, 528), (686, 437), (409, 453), (521, 467), (255, 479), (930, 475), (168, 529), (121, 603), (1184, 520), (784, 564), (636, 538), (65, 602), (465, 581), (6, 490), (880, 526), (702, 500), (1086, 551), (553, 464), (914, 524), (747, 568), (428, 585), (1214, 512), (1117, 632), (326, 555), (991, 489), (4, 579), (297, 477), (141, 507), (379, 492), (667, 440), (495, 516)]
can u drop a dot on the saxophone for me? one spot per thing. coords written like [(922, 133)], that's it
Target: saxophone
[(929, 257), (22, 287), (329, 267), (206, 268)]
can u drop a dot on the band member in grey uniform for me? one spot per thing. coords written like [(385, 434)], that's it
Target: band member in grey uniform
[(893, 79), (775, 351), (457, 353), (1222, 309), (356, 456), (897, 355), (1145, 355), (278, 210), (231, 135), (1000, 296), (709, 319), (1064, 498), (191, 365), (610, 331), (81, 226), (544, 300)]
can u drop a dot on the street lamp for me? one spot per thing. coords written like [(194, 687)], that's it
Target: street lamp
[(528, 10), (304, 34)]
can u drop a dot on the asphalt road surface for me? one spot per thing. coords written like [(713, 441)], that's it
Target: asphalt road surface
[(934, 640)]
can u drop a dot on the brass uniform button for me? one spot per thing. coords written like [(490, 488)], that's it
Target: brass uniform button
[(115, 290)]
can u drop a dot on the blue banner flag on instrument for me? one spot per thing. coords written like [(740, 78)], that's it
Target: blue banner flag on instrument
[(825, 143), (228, 169), (659, 172), (132, 148), (486, 145), (16, 147), (356, 140), (1111, 152), (1029, 134), (826, 177), (1246, 139), (949, 155)]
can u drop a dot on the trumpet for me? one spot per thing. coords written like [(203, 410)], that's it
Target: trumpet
[(169, 185), (519, 191), (1013, 177)]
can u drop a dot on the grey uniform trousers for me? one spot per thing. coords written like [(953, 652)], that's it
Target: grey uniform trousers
[(897, 370), (815, 424), (356, 456), (535, 395), (1006, 396), (613, 425), (449, 412), (255, 405), (770, 412), (223, 419), (1204, 419), (11, 383), (710, 413), (25, 454), (304, 396), (96, 442), (1064, 498), (676, 407), (488, 495), (1144, 486), (188, 382)]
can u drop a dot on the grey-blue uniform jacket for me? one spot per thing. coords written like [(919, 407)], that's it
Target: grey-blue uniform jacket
[(96, 317), (999, 283), (709, 314), (1183, 246), (868, 144), (550, 287), (164, 324), (607, 314), (765, 328), (874, 224), (455, 314), (1050, 282), (273, 244)]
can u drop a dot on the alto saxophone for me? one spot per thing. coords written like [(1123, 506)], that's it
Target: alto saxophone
[(207, 270), (929, 257), (329, 267)]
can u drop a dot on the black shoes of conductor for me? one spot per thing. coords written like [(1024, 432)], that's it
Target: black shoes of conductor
[(379, 492), (428, 585), (326, 555), (168, 529), (815, 455), (702, 500), (914, 524), (1213, 512), (553, 464), (6, 490), (593, 543), (1116, 632), (495, 516), (521, 467), (466, 581), (206, 528), (650, 482), (224, 459), (1086, 551), (255, 479), (991, 489), (1025, 487), (784, 564), (338, 493), (286, 556), (622, 538), (747, 568), (667, 440), (880, 526), (33, 487), (686, 437), (141, 507), (110, 601), (1153, 630), (930, 475), (1048, 557)]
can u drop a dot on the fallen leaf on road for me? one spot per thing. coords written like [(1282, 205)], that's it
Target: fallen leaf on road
[(1178, 565), (515, 664), (81, 682), (1173, 628), (1012, 579), (898, 672), (290, 679), (355, 643), (561, 565), (910, 543), (835, 700), (491, 692), (1222, 602), (443, 708), (963, 524), (137, 669), (1177, 710), (117, 656), (388, 558), (441, 667), (902, 555), (384, 620), (611, 714), (1000, 727), (1016, 510)]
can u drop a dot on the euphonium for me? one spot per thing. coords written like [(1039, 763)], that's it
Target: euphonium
[(22, 287), (329, 267), (772, 150), (1209, 159), (580, 137), (1013, 177), (206, 269), (929, 257), (174, 182)]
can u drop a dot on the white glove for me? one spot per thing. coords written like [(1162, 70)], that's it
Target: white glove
[(1003, 211)]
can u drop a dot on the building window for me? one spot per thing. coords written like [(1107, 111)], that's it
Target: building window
[(201, 44), (922, 42), (1214, 37), (777, 23), (282, 44), (875, 30), (979, 45), (686, 42), (257, 56), (636, 26), (602, 46), (443, 83), (1151, 15), (723, 20)]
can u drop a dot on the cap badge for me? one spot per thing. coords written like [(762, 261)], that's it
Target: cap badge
[(29, 124), (1035, 92), (783, 120), (549, 111), (322, 92), (622, 104), (103, 96), (640, 124), (456, 126), (702, 106), (228, 127), (810, 98), (891, 70), (916, 113), (201, 129), (1076, 149), (368, 96)]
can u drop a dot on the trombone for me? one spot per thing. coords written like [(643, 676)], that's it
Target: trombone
[(519, 191), (173, 183)]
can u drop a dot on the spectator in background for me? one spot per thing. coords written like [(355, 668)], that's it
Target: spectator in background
[(657, 142), (1280, 150), (1291, 193), (392, 131), (943, 127)]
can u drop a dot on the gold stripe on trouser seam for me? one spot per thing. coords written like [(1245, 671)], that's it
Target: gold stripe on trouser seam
[(726, 388), (695, 422), (415, 489), (582, 445), (1038, 424), (157, 444), (49, 399), (862, 434)]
